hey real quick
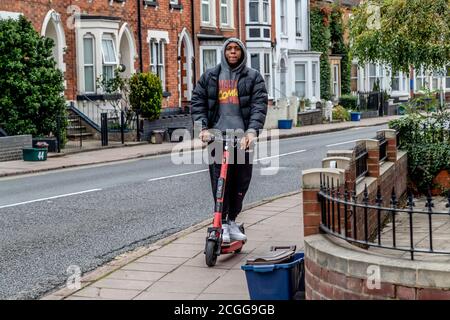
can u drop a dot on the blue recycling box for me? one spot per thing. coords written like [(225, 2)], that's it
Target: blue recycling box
[(276, 281), (355, 116)]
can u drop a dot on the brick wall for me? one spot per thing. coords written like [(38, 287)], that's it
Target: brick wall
[(11, 147), (310, 117), (337, 271)]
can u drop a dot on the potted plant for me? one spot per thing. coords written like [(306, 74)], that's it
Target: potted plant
[(146, 96)]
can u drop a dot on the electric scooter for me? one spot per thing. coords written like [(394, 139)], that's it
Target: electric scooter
[(214, 244)]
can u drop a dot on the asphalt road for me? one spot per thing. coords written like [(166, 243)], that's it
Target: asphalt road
[(87, 216)]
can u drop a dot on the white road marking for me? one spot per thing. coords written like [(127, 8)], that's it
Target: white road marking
[(204, 170), (54, 197), (178, 175), (338, 144), (280, 155)]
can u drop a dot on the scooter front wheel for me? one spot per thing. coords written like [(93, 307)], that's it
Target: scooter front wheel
[(210, 253)]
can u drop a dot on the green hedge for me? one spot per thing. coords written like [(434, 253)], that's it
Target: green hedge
[(427, 141), (349, 102)]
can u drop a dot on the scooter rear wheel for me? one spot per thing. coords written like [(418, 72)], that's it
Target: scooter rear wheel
[(210, 253)]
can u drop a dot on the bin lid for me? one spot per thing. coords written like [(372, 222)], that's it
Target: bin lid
[(273, 257)]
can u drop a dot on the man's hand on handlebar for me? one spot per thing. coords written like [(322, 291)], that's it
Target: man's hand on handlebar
[(248, 140), (205, 135)]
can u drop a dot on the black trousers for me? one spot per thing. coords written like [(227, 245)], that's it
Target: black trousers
[(238, 180)]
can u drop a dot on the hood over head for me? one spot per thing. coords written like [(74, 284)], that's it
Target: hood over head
[(224, 63)]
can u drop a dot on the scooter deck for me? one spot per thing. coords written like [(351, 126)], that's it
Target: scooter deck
[(231, 247)]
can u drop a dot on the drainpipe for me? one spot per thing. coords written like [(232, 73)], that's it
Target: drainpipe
[(141, 63), (309, 26), (239, 22), (194, 67)]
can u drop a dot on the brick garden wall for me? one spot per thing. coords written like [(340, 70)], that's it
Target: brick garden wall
[(336, 270)]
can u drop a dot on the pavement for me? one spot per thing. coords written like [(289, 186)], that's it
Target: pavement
[(138, 150), (174, 267)]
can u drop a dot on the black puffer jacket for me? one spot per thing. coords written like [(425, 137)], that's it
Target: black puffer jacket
[(253, 99)]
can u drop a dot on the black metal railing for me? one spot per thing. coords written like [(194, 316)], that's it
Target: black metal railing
[(362, 223), (361, 156), (383, 145)]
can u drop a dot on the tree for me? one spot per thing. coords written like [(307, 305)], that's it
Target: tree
[(118, 90), (31, 86), (402, 33)]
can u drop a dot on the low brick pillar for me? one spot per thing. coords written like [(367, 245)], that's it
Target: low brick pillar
[(391, 150), (311, 187), (373, 160)]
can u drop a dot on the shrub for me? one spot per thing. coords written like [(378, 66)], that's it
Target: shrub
[(427, 141), (349, 102), (340, 113), (32, 87), (146, 95)]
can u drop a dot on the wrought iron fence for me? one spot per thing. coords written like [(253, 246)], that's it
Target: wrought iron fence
[(361, 156), (383, 145), (340, 213)]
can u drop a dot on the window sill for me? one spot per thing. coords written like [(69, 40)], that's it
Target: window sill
[(227, 28), (151, 3), (176, 6), (208, 26), (97, 97)]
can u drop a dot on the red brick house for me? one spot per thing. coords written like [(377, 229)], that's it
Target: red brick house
[(92, 37)]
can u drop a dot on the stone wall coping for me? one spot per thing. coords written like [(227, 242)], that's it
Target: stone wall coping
[(338, 255), (311, 177), (401, 154), (386, 166), (389, 133), (340, 153), (371, 144)]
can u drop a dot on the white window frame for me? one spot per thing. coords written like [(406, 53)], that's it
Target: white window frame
[(211, 4), (447, 78), (305, 64), (228, 6), (261, 6), (422, 75), (371, 76), (174, 1), (283, 17), (314, 78), (298, 18), (218, 50), (266, 11), (112, 63), (157, 60), (266, 73), (92, 38), (258, 11), (335, 80), (98, 28)]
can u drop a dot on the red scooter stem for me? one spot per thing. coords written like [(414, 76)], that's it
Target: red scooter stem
[(221, 184)]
